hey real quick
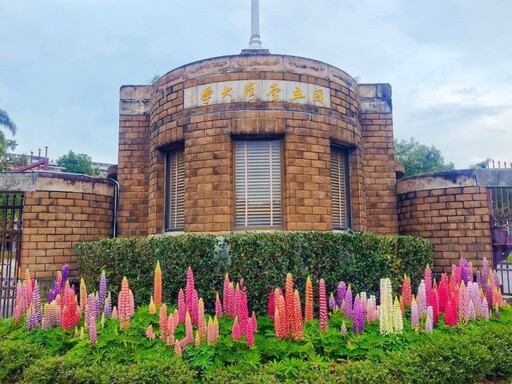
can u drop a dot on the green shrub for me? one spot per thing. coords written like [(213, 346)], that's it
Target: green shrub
[(15, 356), (262, 259)]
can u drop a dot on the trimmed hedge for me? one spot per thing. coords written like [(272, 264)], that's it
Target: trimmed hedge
[(261, 259)]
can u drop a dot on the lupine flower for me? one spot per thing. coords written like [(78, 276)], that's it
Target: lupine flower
[(194, 315), (472, 311), (463, 304), (332, 303), (271, 306), (172, 324), (402, 305), (308, 311), (65, 274), (372, 314), (189, 333), (427, 276), (407, 291), (348, 303), (249, 335), (177, 349), (398, 323), (114, 314), (28, 290), (125, 305), (20, 302), (358, 323), (70, 309), (182, 307), (36, 302), (92, 304), (201, 324), (32, 319), (107, 308), (289, 300), (415, 316), (254, 321), (212, 330), (197, 339), (344, 328), (341, 290), (324, 324), (218, 306), (485, 309), (157, 286), (422, 299), (451, 313), (225, 295), (189, 292), (464, 271), (443, 292), (231, 300), (433, 301), (235, 330), (83, 294), (429, 327), (102, 294), (152, 306), (280, 322), (297, 327), (162, 321), (386, 307), (150, 334)]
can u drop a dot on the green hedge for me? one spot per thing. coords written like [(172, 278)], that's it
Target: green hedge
[(262, 259)]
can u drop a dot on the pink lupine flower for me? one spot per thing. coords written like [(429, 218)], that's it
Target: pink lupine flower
[(348, 303), (485, 309), (115, 315), (463, 304), (182, 307), (225, 294), (324, 324), (344, 328), (427, 276), (194, 314), (236, 333), (297, 329), (178, 349), (20, 304), (254, 321), (415, 315), (189, 290), (162, 321), (218, 306), (243, 312), (124, 305), (249, 334), (422, 299), (150, 334)]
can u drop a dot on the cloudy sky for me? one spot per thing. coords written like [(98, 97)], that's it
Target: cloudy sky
[(449, 62)]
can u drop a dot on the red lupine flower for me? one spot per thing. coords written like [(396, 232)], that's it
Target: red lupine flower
[(308, 310), (289, 300), (297, 326), (451, 313), (407, 291), (125, 305), (324, 325), (443, 292)]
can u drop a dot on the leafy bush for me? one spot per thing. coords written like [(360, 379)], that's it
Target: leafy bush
[(262, 259), (15, 356)]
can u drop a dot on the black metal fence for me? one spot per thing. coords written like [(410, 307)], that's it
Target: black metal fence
[(11, 226)]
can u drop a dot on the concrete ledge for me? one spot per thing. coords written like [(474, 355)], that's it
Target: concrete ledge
[(54, 181)]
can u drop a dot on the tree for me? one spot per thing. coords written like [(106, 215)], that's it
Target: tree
[(77, 163), (5, 143), (419, 158)]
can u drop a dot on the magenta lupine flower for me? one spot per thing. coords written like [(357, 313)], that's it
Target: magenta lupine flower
[(249, 334), (457, 273), (107, 307), (427, 275), (348, 303), (324, 323), (236, 333), (415, 316), (225, 294), (218, 306), (182, 307), (340, 293), (195, 307), (102, 294), (489, 292), (332, 303), (243, 312), (422, 299), (65, 274), (344, 328), (189, 291), (358, 314)]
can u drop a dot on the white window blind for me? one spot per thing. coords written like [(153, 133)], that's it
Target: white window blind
[(175, 212), (258, 183), (339, 174)]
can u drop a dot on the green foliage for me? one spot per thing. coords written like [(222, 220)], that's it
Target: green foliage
[(15, 356), (261, 259), (77, 163), (419, 158)]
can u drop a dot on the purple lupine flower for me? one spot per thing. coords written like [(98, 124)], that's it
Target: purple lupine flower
[(474, 294), (348, 303), (464, 270), (463, 303), (332, 303), (107, 308), (471, 311), (340, 293), (485, 309), (422, 299), (33, 321), (358, 314), (344, 328), (415, 315), (92, 305), (102, 295), (479, 278), (485, 272), (51, 296), (497, 313), (65, 275), (36, 302)]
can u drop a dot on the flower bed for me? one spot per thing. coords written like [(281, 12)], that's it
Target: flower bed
[(457, 331)]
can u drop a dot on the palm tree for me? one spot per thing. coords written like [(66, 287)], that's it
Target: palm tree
[(6, 122)]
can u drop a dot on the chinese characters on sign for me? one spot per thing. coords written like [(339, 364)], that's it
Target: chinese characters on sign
[(275, 91)]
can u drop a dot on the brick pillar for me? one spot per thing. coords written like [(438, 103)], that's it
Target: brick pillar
[(379, 158), (133, 162)]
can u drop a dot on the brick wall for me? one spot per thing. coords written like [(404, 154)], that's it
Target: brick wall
[(454, 216), (133, 168), (59, 211)]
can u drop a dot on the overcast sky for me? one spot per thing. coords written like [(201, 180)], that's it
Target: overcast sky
[(449, 62)]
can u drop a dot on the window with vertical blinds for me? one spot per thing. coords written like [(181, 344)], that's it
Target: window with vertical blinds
[(258, 183), (339, 187), (175, 191)]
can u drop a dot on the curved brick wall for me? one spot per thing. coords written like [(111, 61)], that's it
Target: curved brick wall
[(60, 210), (153, 119), (450, 209)]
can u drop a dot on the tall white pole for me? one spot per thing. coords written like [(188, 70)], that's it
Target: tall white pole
[(255, 41)]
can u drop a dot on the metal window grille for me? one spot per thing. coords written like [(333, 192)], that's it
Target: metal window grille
[(11, 226), (175, 191), (258, 183), (339, 188)]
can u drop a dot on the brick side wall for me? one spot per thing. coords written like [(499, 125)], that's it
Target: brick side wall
[(55, 221), (133, 163), (454, 219)]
